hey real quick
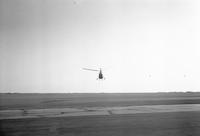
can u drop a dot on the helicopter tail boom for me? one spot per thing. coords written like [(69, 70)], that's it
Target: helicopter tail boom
[(90, 69)]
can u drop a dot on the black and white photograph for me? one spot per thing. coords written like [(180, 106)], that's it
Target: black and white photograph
[(99, 67)]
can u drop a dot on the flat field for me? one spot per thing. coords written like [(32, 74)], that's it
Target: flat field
[(155, 114), (41, 101)]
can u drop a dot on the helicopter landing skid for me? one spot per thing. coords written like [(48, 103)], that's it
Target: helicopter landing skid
[(101, 79)]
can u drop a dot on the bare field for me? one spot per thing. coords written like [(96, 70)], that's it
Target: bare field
[(156, 114), (153, 124), (41, 101), (94, 111)]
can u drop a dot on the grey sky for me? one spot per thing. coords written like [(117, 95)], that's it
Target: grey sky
[(142, 45)]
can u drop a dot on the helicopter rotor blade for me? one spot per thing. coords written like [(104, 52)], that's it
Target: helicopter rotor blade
[(90, 69)]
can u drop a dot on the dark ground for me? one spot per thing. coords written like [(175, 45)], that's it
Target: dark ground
[(40, 101), (153, 124), (145, 124)]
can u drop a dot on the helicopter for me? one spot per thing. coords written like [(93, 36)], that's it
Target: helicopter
[(100, 76)]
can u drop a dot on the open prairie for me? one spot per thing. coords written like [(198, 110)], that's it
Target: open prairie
[(153, 114)]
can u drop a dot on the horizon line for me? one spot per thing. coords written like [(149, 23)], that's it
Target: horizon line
[(94, 92)]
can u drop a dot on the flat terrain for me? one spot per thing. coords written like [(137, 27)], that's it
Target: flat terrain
[(155, 114), (94, 111), (43, 101), (153, 124)]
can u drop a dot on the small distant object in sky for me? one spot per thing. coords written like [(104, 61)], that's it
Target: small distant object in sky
[(74, 1), (100, 76)]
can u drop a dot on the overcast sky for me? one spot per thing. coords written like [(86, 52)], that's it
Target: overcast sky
[(141, 45)]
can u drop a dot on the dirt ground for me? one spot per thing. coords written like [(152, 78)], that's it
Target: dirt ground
[(147, 124), (115, 122), (43, 101)]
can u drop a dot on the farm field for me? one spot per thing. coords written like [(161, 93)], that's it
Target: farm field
[(152, 114)]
